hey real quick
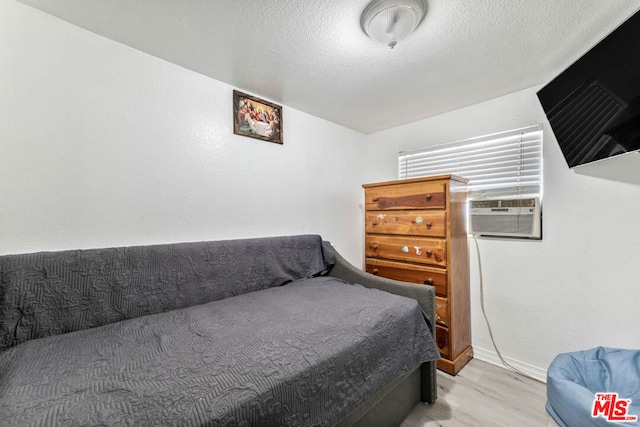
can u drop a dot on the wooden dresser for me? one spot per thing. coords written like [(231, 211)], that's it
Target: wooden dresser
[(416, 232)]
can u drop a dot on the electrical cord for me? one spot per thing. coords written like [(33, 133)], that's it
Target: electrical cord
[(486, 319)]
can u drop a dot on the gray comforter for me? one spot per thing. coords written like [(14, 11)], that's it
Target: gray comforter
[(50, 293), (306, 353)]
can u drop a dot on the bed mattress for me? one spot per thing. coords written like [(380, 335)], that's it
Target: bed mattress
[(306, 353)]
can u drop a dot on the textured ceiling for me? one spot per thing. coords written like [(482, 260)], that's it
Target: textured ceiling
[(313, 56)]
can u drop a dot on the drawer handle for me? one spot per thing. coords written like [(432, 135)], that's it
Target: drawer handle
[(374, 223), (375, 199), (374, 247), (374, 271), (428, 197), (429, 225), (429, 281), (429, 253)]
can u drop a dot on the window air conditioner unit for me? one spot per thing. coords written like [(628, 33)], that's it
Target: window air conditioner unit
[(506, 218)]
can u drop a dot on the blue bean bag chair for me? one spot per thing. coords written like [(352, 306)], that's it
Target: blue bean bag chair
[(575, 381)]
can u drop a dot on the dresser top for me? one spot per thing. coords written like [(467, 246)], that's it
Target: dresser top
[(414, 180)]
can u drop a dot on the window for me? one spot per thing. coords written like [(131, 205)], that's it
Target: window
[(502, 165)]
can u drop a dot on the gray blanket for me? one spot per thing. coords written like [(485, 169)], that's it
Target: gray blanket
[(50, 293), (304, 354)]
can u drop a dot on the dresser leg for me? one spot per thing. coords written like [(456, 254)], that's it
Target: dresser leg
[(452, 367)]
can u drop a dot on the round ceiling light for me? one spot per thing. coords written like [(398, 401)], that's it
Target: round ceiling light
[(389, 21)]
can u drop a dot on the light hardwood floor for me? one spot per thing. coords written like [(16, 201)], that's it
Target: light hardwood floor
[(483, 395)]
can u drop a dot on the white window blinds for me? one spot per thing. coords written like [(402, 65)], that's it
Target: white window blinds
[(505, 164)]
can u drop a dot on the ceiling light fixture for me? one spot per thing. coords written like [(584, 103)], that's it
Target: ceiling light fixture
[(389, 21)]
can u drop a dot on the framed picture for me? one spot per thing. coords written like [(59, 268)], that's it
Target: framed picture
[(256, 118)]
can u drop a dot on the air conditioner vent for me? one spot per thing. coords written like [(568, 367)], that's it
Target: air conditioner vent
[(518, 203), (485, 204), (506, 218), (504, 203)]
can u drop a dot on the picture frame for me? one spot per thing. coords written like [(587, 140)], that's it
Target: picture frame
[(256, 118)]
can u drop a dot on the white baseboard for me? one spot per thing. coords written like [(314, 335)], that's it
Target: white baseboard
[(490, 356)]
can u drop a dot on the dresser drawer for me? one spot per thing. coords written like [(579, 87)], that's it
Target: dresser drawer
[(442, 340), (416, 223), (442, 311), (409, 273), (412, 249), (406, 196)]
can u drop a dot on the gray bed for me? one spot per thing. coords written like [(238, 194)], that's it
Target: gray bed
[(313, 350)]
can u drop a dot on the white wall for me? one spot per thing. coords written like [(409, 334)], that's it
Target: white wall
[(577, 288), (102, 145)]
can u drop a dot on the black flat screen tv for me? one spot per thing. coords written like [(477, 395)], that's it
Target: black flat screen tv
[(594, 105)]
